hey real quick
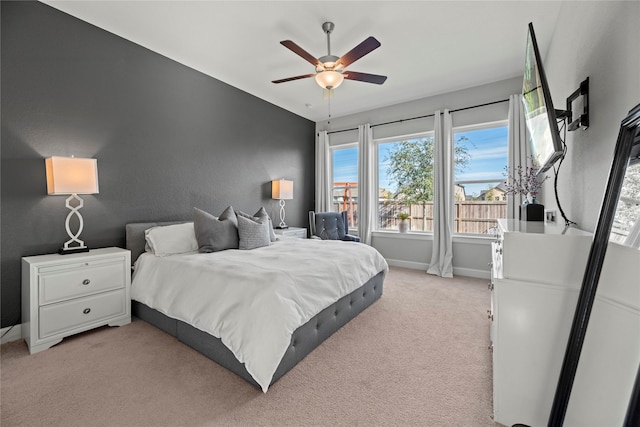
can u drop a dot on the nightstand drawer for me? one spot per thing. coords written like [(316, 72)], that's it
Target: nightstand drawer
[(297, 232), (89, 279), (300, 234), (60, 317)]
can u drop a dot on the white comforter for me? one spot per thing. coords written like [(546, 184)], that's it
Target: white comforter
[(254, 300)]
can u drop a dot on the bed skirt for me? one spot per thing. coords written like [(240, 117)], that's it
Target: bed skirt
[(303, 340)]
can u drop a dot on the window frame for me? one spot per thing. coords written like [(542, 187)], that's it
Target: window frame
[(376, 148), (344, 146), (458, 237), (474, 127)]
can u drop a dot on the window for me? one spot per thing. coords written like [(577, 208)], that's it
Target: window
[(405, 182), (480, 195), (627, 216), (344, 188)]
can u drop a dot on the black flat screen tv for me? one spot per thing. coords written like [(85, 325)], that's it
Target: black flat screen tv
[(544, 137)]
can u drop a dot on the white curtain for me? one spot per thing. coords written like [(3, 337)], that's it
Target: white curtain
[(323, 180), (367, 194), (518, 149), (442, 255)]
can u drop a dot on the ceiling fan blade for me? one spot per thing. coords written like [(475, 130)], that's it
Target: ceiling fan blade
[(300, 52), (359, 51), (289, 79), (364, 77)]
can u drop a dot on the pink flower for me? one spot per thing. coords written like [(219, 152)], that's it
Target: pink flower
[(523, 181)]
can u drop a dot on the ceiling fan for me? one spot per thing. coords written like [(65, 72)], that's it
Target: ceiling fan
[(330, 69)]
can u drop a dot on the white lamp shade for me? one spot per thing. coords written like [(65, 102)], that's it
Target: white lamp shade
[(71, 175), (282, 189), (329, 79)]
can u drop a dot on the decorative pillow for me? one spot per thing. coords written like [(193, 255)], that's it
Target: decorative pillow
[(171, 239), (215, 234), (252, 232), (262, 213)]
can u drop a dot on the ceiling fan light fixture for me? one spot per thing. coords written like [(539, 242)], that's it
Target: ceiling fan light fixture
[(329, 79)]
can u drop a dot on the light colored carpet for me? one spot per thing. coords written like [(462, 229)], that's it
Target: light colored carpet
[(417, 357)]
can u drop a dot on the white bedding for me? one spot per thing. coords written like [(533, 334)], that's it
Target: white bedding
[(254, 300)]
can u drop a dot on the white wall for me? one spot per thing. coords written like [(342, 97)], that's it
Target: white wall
[(452, 100), (471, 255), (600, 40)]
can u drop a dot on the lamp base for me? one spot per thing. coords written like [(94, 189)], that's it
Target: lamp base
[(63, 251), (74, 245)]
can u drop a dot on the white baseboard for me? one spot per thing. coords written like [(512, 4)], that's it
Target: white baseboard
[(408, 264), (14, 333), (458, 271), (471, 272)]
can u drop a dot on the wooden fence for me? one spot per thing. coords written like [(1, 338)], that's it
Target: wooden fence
[(477, 217)]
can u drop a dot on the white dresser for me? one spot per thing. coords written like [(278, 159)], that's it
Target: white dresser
[(66, 294), (536, 277)]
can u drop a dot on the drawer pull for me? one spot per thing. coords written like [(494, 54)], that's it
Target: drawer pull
[(86, 311), (86, 281)]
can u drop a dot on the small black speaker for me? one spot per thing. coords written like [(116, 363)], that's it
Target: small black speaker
[(532, 212)]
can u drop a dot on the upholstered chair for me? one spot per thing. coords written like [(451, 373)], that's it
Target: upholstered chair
[(330, 226)]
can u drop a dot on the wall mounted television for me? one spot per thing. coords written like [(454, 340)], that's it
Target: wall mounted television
[(545, 145)]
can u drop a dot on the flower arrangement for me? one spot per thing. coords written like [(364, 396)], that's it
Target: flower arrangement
[(523, 180), (403, 216)]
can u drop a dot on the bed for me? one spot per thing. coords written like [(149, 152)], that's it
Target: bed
[(180, 294)]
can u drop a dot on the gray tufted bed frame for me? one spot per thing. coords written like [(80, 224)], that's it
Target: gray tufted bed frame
[(304, 339)]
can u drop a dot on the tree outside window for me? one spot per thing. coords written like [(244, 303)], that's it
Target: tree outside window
[(405, 180)]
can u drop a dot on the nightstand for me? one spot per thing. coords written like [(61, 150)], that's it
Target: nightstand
[(298, 232), (63, 295)]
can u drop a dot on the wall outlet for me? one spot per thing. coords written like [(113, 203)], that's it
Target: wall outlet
[(550, 216)]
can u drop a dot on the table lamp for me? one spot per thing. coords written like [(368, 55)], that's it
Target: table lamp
[(282, 190), (72, 176)]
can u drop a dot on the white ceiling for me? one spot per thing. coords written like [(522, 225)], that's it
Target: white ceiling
[(428, 47)]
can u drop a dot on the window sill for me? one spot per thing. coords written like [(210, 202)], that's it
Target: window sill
[(397, 235), (393, 234), (457, 238), (474, 239)]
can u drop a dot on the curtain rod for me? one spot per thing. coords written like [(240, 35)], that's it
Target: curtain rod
[(421, 117)]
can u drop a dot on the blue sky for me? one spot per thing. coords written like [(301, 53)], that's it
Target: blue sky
[(487, 147)]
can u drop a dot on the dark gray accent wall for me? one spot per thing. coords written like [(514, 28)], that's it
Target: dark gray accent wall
[(167, 138)]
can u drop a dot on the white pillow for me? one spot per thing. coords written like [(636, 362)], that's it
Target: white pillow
[(171, 239)]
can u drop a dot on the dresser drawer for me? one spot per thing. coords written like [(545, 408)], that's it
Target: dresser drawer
[(63, 316), (62, 284)]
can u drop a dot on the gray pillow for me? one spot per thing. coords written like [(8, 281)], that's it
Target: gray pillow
[(252, 232), (216, 233), (262, 213)]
